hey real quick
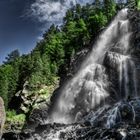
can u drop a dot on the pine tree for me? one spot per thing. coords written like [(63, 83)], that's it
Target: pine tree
[(109, 8), (121, 4), (12, 57), (97, 4), (131, 3)]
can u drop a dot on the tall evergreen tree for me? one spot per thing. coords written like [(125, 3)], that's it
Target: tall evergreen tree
[(131, 3), (97, 4), (109, 8), (12, 57)]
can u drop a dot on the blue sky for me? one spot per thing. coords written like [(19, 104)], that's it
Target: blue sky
[(16, 30), (22, 22)]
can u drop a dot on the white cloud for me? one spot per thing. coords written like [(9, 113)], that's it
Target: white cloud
[(53, 11)]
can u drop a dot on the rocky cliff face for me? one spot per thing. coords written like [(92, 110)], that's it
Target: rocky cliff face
[(102, 102)]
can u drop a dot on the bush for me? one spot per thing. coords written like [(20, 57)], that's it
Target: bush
[(14, 122)]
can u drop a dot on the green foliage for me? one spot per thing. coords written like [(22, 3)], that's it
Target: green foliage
[(138, 4), (110, 8), (98, 4), (99, 21), (13, 121), (12, 57), (133, 4), (8, 82), (4, 85)]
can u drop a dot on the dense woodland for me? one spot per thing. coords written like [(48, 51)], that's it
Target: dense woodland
[(51, 57)]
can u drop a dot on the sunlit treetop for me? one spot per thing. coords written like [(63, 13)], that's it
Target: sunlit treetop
[(138, 4)]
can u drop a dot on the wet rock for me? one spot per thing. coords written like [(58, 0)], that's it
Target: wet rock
[(117, 122)]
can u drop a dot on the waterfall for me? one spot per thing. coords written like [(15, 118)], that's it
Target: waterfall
[(88, 90), (128, 82), (102, 100), (113, 117)]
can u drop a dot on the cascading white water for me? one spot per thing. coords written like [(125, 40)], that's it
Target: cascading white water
[(112, 117), (89, 87), (128, 82)]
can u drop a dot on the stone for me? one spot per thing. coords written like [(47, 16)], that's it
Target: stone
[(2, 116)]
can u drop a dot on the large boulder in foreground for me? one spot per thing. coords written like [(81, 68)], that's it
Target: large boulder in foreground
[(2, 116)]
